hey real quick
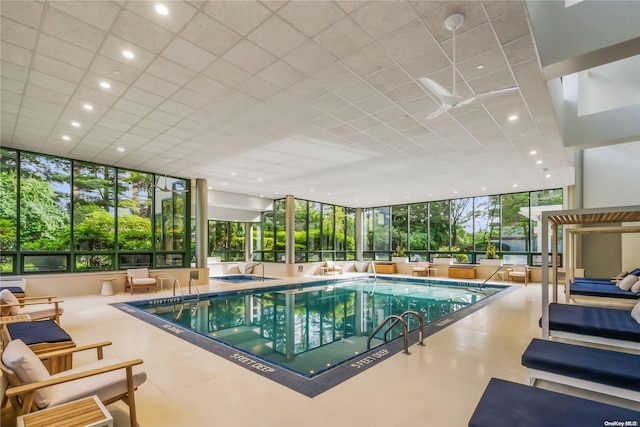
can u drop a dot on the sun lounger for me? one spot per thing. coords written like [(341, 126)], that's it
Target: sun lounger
[(508, 404), (605, 371), (600, 289), (600, 325)]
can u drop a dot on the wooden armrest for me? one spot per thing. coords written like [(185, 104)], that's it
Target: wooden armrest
[(98, 346), (28, 388), (22, 304), (47, 297)]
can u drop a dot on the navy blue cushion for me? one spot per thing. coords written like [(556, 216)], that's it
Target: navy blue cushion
[(593, 280), (597, 321), (13, 289), (594, 289), (609, 367), (508, 404), (42, 331), (635, 272)]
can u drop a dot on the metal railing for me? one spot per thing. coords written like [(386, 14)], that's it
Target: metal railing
[(249, 269)]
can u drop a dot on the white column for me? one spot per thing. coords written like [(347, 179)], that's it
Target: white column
[(202, 213)]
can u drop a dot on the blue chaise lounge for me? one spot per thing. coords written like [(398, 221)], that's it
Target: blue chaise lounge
[(508, 404), (605, 371), (608, 326)]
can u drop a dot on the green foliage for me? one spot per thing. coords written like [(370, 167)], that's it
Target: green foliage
[(41, 218), (96, 231), (491, 251), (134, 232), (399, 252)]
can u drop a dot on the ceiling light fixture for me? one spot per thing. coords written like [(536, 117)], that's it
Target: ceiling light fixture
[(480, 67), (75, 124), (532, 152), (513, 117), (162, 9), (121, 149), (88, 107), (128, 54), (66, 137), (105, 85), (515, 185), (538, 162)]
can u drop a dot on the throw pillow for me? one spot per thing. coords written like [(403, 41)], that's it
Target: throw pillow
[(635, 313), (7, 297), (626, 283), (18, 357)]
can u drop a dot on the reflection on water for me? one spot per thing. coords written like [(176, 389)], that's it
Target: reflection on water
[(312, 329)]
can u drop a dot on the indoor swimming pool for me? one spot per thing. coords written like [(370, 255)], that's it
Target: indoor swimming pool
[(310, 330), (240, 278)]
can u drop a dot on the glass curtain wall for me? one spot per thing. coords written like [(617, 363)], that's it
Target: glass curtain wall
[(462, 228), (322, 232), (226, 240), (63, 215)]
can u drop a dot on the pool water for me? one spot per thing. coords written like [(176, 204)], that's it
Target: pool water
[(240, 278), (311, 329)]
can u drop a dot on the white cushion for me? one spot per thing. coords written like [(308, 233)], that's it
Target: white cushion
[(138, 272), (626, 283), (635, 313), (144, 281), (18, 357), (8, 298), (635, 288), (105, 386), (41, 311)]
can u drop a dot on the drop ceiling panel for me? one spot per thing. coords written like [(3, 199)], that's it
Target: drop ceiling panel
[(278, 86)]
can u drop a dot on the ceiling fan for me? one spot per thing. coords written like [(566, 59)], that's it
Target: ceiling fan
[(449, 100), (165, 188)]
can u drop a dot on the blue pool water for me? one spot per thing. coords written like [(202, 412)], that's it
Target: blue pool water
[(310, 329), (240, 278)]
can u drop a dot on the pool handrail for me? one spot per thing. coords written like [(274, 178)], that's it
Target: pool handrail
[(420, 322), (252, 266), (405, 332)]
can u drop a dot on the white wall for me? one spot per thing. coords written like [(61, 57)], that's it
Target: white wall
[(611, 175), (611, 179)]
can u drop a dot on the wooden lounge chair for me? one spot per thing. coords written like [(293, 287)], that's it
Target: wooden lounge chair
[(45, 307), (32, 388), (140, 278)]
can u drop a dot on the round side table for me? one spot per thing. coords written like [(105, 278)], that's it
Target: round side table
[(107, 286)]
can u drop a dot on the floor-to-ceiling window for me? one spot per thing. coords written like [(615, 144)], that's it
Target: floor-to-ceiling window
[(226, 240), (64, 215)]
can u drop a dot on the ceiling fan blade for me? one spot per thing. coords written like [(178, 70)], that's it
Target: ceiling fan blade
[(436, 89), (437, 113), (481, 97)]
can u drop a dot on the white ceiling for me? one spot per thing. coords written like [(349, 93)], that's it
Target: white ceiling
[(318, 99)]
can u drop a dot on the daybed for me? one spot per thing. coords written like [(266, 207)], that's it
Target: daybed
[(508, 404), (609, 326), (600, 289), (604, 371)]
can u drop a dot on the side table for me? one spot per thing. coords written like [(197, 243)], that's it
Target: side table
[(87, 412), (107, 286)]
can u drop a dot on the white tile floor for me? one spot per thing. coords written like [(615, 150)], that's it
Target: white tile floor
[(437, 385)]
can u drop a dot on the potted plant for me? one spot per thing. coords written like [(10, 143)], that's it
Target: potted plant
[(399, 255), (491, 258)]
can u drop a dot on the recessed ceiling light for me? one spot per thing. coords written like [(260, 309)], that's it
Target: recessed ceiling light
[(532, 152), (224, 184), (262, 195), (210, 188), (128, 54), (538, 162), (233, 174), (105, 85), (312, 190), (87, 107), (548, 175), (515, 185), (328, 194), (483, 189), (66, 137), (75, 124), (121, 149), (116, 72), (162, 9), (259, 179), (455, 191), (513, 117), (480, 66)]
